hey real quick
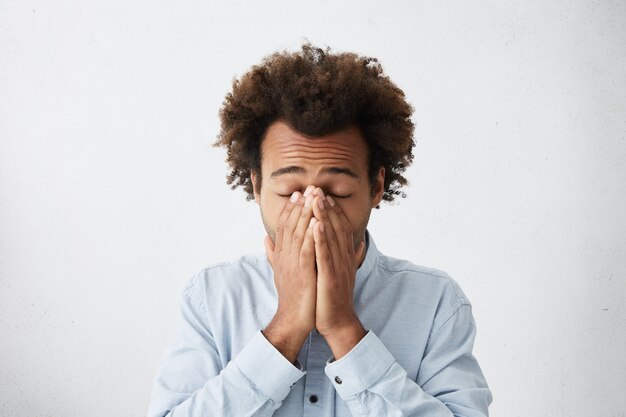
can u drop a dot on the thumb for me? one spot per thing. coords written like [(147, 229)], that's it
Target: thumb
[(269, 249)]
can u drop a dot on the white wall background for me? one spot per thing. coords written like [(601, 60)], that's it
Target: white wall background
[(111, 195)]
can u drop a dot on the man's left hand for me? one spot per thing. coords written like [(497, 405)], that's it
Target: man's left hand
[(337, 262)]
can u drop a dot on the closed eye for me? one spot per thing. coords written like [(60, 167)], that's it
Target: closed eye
[(333, 195)]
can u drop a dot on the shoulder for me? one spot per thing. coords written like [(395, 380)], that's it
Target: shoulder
[(425, 282), (242, 272)]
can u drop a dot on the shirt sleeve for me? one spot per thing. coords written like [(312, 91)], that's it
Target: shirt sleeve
[(449, 382), (190, 381)]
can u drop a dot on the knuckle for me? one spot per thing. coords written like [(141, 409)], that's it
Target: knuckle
[(284, 220)]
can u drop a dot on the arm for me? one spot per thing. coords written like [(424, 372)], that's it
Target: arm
[(190, 381), (365, 374), (449, 382)]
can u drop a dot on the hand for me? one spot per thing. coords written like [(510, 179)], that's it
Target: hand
[(337, 262), (292, 257)]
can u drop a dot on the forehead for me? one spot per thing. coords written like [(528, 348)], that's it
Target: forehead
[(282, 146)]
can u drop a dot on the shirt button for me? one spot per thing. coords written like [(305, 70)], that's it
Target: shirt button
[(313, 398), (338, 380)]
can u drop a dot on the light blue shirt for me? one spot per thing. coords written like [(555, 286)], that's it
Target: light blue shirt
[(415, 360)]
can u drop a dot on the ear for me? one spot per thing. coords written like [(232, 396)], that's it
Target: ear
[(253, 178), (378, 187)]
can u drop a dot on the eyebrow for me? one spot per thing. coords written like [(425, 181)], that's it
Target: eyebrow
[(326, 170)]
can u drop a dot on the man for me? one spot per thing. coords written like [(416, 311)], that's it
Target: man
[(321, 323)]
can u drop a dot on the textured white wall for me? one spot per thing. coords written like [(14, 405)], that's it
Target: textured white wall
[(112, 197)]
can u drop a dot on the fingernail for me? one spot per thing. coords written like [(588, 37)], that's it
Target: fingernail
[(330, 200), (320, 203), (295, 196), (309, 190), (321, 193), (312, 221), (308, 200), (321, 226)]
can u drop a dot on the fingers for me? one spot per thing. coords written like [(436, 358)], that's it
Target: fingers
[(330, 214), (320, 211), (307, 252), (289, 225), (294, 222), (342, 226), (284, 216), (302, 224), (323, 256)]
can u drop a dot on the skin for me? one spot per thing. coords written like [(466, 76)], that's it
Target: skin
[(315, 220)]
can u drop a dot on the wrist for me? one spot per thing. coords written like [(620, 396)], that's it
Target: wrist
[(286, 339), (344, 340), (350, 332), (285, 324)]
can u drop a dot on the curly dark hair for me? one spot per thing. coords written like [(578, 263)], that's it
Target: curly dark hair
[(317, 92)]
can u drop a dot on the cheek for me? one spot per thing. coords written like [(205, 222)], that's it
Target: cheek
[(353, 212), (272, 209)]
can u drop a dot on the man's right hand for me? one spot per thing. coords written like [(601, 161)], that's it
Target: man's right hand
[(292, 257)]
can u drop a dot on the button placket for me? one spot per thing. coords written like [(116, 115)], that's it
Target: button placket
[(317, 401)]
